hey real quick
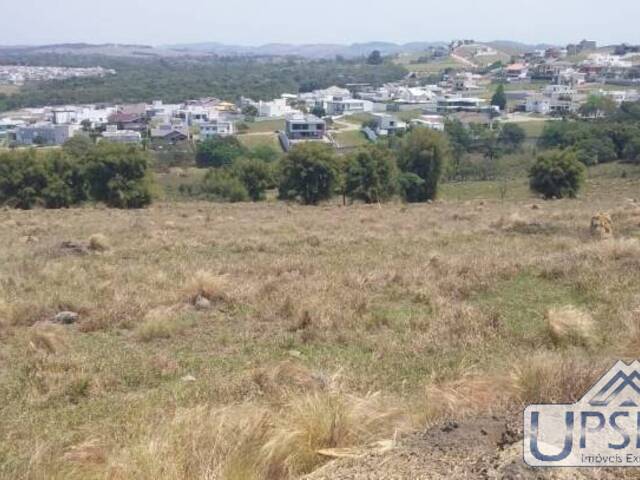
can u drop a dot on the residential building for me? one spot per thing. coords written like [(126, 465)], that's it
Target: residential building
[(516, 72), (44, 134), (346, 106), (388, 124), (112, 134), (305, 127), (461, 104), (434, 122), (217, 127)]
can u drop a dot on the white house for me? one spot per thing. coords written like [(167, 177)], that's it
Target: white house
[(388, 124), (216, 128), (112, 134), (346, 106), (45, 134), (433, 122)]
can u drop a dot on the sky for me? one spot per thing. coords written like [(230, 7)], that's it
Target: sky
[(256, 22)]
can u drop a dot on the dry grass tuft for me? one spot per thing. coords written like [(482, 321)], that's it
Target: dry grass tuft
[(287, 378), (204, 284), (161, 322), (87, 453), (47, 338), (569, 325), (601, 226), (555, 378), (326, 420), (99, 243)]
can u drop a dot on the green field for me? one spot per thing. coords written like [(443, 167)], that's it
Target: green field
[(252, 141), (350, 138), (265, 126)]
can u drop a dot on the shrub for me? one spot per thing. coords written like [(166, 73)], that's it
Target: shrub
[(371, 174), (118, 175), (557, 174), (511, 137), (593, 150), (219, 151), (423, 153), (255, 175), (221, 184), (309, 173)]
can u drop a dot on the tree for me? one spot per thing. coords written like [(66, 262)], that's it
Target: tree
[(250, 111), (255, 175), (219, 151), (266, 153), (595, 150), (557, 174), (221, 184), (375, 58), (118, 175), (499, 98), (78, 146), (598, 106), (424, 153), (460, 142), (318, 111), (511, 137), (371, 174), (309, 172)]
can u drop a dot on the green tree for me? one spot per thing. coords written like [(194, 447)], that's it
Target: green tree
[(557, 174), (219, 151), (371, 174), (309, 173), (598, 106), (460, 142), (499, 98), (221, 184), (255, 175), (119, 175), (318, 111), (595, 150), (266, 153), (511, 137), (424, 153), (78, 146), (250, 111), (375, 58)]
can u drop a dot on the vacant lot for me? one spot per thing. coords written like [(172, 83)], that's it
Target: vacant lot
[(239, 341)]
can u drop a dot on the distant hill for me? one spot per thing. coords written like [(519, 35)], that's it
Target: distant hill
[(316, 51), (516, 48)]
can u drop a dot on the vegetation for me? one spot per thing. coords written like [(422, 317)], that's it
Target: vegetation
[(371, 174), (115, 175), (219, 151), (174, 80), (309, 173), (499, 98), (423, 158), (557, 175)]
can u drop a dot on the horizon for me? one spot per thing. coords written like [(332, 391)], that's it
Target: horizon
[(279, 23)]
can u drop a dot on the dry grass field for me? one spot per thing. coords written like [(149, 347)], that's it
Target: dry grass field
[(258, 341)]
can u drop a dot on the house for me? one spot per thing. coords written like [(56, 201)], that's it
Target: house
[(112, 134), (274, 109), (8, 125), (170, 133), (449, 104), (305, 127), (128, 121), (388, 124), (538, 104), (346, 106), (433, 122), (217, 127), (516, 72), (44, 134)]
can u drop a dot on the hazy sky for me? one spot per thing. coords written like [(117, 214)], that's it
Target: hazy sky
[(253, 22)]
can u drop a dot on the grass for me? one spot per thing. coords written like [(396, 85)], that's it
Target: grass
[(252, 141), (9, 89), (326, 327), (351, 138), (265, 126)]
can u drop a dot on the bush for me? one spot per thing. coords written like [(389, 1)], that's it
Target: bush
[(255, 175), (592, 151), (557, 174), (424, 153), (221, 184), (309, 173), (511, 137), (118, 175), (219, 151), (371, 174)]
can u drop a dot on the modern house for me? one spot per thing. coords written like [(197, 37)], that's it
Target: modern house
[(346, 106), (461, 104), (170, 133), (112, 134), (217, 127), (433, 122), (305, 127), (44, 134), (388, 124)]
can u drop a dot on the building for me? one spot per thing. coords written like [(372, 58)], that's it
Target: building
[(217, 127), (112, 134), (346, 106), (434, 122), (44, 134), (516, 72), (305, 127), (461, 104), (170, 133), (388, 124)]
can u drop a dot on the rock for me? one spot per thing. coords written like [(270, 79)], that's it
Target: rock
[(535, 206), (188, 378), (601, 226), (74, 248), (98, 243), (66, 318), (202, 303)]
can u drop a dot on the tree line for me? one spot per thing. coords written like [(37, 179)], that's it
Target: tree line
[(113, 174)]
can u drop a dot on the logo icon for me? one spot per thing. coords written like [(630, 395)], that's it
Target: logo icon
[(601, 429)]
